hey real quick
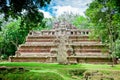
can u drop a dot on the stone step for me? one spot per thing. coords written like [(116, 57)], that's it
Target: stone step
[(34, 50), (87, 45), (41, 37), (90, 50), (40, 40), (34, 54), (78, 59), (31, 54), (38, 45), (53, 37), (85, 40), (82, 49), (70, 44), (48, 50), (47, 43), (78, 36), (91, 54), (43, 46), (90, 47), (32, 59), (53, 40), (35, 47), (47, 54), (67, 46)]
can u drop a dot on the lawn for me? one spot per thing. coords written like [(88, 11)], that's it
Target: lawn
[(48, 71), (52, 66)]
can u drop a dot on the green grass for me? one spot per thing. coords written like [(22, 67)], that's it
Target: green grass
[(32, 76), (37, 65), (61, 71)]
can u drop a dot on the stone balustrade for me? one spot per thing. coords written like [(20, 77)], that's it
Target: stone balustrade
[(59, 32)]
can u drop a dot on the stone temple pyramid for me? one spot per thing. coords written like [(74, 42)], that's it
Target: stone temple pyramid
[(63, 40)]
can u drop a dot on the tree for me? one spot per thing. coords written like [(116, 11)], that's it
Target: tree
[(11, 37), (82, 22), (15, 7), (28, 10), (25, 16), (105, 16), (31, 20)]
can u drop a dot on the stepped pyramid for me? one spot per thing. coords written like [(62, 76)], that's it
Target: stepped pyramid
[(62, 40)]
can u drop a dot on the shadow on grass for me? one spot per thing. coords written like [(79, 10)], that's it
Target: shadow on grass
[(31, 76)]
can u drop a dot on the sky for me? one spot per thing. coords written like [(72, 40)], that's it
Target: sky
[(58, 7)]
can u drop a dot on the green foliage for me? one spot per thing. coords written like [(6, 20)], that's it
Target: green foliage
[(105, 16), (117, 47), (15, 31), (100, 75), (11, 36), (44, 25), (77, 72), (21, 17), (32, 19), (82, 23), (4, 56), (27, 10), (14, 8), (31, 76)]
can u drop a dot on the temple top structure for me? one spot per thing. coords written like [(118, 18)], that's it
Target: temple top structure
[(63, 25), (61, 28)]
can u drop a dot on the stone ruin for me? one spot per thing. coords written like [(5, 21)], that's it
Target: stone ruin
[(63, 43)]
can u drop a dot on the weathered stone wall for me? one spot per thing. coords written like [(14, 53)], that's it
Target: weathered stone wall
[(95, 60), (33, 59)]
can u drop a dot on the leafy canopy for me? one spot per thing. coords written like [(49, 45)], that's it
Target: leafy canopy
[(105, 15), (15, 7)]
